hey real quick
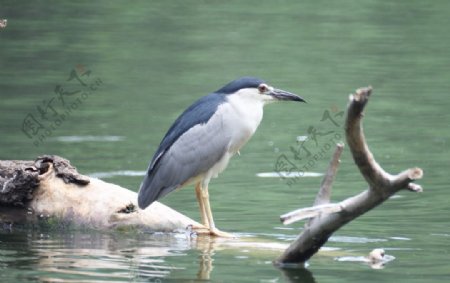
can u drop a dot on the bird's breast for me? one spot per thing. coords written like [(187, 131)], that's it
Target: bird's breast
[(241, 119)]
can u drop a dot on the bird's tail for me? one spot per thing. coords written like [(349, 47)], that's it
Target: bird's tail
[(146, 195), (150, 191)]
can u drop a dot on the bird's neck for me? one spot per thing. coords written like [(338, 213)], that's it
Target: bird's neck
[(250, 111), (247, 115)]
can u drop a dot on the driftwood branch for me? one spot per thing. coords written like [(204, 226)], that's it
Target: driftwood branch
[(322, 202), (324, 195), (328, 218)]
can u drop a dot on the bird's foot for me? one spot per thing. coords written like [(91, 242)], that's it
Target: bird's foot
[(199, 229), (202, 230), (217, 233)]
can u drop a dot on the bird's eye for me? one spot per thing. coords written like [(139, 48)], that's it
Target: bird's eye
[(262, 88)]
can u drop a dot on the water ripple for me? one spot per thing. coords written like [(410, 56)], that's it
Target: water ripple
[(285, 174), (359, 240), (111, 174), (89, 138)]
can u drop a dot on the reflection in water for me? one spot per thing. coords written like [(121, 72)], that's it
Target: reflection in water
[(94, 256), (67, 256), (90, 257), (302, 275), (206, 247)]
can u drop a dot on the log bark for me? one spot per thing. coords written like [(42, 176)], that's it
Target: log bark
[(50, 189), (18, 180), (382, 186)]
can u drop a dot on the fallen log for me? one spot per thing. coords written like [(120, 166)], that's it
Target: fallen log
[(50, 188), (326, 218)]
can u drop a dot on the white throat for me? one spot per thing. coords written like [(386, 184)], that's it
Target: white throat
[(248, 106)]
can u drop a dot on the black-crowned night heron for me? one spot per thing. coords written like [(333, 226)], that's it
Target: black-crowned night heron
[(202, 140)]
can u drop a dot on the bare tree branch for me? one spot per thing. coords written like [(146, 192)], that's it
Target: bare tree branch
[(324, 194), (382, 185), (321, 204)]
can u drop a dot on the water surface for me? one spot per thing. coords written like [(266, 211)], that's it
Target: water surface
[(149, 61)]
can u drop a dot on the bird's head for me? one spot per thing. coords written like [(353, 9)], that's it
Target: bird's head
[(257, 90)]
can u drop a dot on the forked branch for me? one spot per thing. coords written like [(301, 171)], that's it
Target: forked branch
[(326, 218)]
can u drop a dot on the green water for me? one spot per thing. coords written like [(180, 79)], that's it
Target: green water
[(147, 61)]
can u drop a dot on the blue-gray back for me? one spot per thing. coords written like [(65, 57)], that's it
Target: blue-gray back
[(175, 163), (198, 113)]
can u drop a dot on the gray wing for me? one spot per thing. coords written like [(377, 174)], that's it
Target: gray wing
[(191, 155)]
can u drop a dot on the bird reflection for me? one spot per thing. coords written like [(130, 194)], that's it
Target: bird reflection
[(206, 247)]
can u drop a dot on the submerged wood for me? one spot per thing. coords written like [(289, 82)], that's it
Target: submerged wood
[(382, 185), (51, 188)]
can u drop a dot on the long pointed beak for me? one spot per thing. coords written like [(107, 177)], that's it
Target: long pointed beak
[(279, 94)]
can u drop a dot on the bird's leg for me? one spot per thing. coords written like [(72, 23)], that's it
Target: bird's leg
[(212, 227), (205, 197), (201, 204)]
